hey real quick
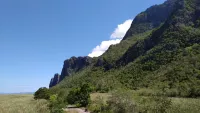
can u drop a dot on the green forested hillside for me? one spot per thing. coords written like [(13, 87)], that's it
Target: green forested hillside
[(158, 59), (159, 56)]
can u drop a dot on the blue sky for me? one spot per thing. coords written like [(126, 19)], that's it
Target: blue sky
[(36, 36)]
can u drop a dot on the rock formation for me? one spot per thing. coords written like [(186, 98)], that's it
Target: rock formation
[(55, 80), (70, 66)]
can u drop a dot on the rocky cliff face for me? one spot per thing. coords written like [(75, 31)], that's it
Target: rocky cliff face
[(151, 18), (74, 64), (54, 80), (71, 66)]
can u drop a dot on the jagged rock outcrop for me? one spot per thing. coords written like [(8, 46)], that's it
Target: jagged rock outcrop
[(55, 80), (71, 66), (151, 18)]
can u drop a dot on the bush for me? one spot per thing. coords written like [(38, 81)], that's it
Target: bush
[(172, 92), (121, 102), (98, 106), (42, 93), (148, 92), (79, 96), (56, 104), (154, 104)]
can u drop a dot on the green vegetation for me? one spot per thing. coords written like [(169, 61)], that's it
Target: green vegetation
[(56, 104), (116, 51), (79, 96), (42, 93), (22, 104), (129, 102), (155, 69)]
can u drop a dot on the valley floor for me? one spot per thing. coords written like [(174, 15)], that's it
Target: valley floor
[(22, 104), (26, 104), (177, 105)]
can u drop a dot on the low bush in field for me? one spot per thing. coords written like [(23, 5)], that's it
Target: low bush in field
[(42, 93), (154, 104), (121, 102), (118, 102), (127, 102), (79, 96), (147, 92), (184, 105), (98, 105), (56, 104)]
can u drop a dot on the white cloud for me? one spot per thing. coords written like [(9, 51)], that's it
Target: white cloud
[(100, 49), (115, 38), (121, 30)]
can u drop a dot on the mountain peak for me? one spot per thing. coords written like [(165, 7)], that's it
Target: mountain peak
[(151, 18)]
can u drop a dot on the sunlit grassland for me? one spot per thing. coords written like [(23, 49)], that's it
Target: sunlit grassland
[(22, 104), (104, 96), (185, 105), (178, 105)]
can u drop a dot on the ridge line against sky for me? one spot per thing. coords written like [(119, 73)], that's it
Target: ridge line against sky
[(38, 35), (115, 38)]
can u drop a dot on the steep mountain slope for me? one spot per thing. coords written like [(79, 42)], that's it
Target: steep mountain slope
[(72, 65), (173, 31), (108, 59), (159, 53), (141, 27), (165, 47), (151, 18)]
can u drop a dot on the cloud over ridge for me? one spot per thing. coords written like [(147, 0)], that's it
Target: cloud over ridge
[(121, 29), (115, 38)]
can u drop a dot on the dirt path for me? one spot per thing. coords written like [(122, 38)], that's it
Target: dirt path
[(75, 110)]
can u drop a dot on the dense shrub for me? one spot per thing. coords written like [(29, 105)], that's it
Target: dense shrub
[(42, 93), (98, 106), (121, 102), (154, 104), (56, 104), (80, 96)]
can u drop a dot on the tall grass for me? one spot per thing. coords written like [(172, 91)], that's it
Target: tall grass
[(184, 105), (22, 104), (144, 104)]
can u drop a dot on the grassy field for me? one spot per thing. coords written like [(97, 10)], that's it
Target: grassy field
[(178, 105), (104, 96), (185, 105), (22, 104), (26, 104)]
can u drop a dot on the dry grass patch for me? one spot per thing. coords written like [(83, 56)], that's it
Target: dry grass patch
[(104, 96), (22, 104)]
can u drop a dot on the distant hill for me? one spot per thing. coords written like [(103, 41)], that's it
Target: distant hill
[(17, 93)]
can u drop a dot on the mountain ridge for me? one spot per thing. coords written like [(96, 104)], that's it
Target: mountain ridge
[(139, 60)]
